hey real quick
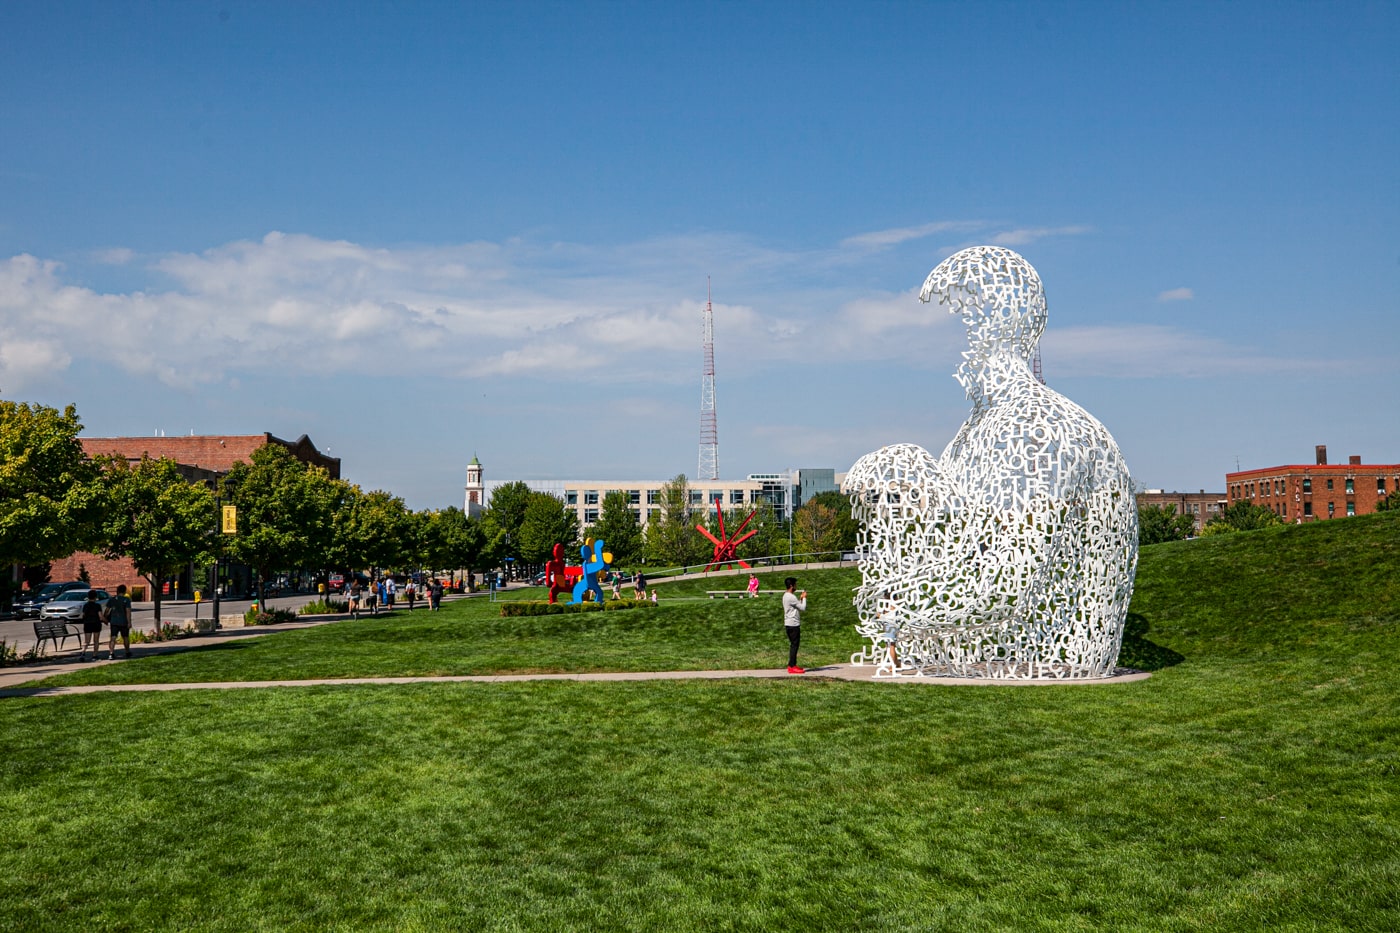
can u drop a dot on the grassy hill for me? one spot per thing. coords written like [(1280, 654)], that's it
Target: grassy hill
[(1253, 783)]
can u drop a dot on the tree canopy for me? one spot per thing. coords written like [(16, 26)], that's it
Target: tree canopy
[(50, 501), (620, 529), (547, 522), (1159, 523), (671, 538), (156, 518), (1241, 515), (285, 512)]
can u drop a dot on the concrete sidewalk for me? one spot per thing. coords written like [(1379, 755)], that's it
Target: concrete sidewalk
[(848, 672)]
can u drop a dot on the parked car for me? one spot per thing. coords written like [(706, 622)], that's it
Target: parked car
[(68, 606), (537, 580), (31, 607)]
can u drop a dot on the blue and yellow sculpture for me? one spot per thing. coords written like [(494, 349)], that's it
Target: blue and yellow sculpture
[(595, 561)]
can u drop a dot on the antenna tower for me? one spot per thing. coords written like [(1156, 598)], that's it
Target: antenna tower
[(708, 468), (1035, 367)]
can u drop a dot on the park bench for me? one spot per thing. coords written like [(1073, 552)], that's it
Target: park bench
[(725, 594), (56, 632)]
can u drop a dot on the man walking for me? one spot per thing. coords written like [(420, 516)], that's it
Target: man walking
[(793, 607), (119, 618), (435, 595)]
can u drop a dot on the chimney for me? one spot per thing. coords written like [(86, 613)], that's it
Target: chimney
[(1354, 460), (1322, 455)]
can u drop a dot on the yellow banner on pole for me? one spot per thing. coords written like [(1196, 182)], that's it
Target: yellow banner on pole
[(230, 519)]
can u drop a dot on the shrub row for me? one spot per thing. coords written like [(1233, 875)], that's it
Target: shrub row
[(542, 608), (268, 617), (325, 606)]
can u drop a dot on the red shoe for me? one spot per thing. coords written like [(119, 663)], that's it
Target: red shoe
[(796, 670)]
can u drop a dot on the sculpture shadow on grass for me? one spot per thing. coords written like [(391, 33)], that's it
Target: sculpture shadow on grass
[(1141, 654)]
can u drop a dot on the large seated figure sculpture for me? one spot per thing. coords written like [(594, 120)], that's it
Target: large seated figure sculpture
[(1012, 555)]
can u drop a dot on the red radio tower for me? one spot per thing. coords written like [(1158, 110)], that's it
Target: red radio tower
[(708, 468), (1035, 367)]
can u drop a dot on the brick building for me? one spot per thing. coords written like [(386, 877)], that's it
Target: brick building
[(201, 458), (1305, 493), (209, 453), (1201, 506)]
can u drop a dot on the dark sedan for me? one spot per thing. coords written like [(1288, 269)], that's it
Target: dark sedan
[(31, 607)]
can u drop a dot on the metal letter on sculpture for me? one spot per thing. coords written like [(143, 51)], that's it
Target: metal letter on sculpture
[(726, 546), (1012, 554)]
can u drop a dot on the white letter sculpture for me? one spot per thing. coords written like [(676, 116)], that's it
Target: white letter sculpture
[(1012, 555)]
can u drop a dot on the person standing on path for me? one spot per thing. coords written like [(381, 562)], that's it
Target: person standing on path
[(794, 605), (118, 614), (410, 593), (389, 589), (92, 625)]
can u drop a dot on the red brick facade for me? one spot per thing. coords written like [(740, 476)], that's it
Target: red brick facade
[(215, 452), (1320, 491), (201, 458)]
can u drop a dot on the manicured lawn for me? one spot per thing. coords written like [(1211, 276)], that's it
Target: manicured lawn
[(1253, 783), (686, 631)]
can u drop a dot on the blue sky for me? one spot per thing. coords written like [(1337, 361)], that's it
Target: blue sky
[(423, 232)]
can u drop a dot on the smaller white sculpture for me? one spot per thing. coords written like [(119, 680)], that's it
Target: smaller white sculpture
[(1012, 555)]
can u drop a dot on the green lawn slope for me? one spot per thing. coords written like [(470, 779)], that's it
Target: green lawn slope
[(1253, 783)]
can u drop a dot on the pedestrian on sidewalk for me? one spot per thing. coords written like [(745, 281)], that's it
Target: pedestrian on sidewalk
[(390, 587), (355, 600), (118, 614), (92, 625), (794, 604)]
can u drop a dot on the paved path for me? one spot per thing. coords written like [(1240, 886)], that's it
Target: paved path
[(839, 671)]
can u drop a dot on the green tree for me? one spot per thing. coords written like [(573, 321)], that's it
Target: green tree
[(286, 513), (505, 512), (620, 529), (548, 521), (846, 526), (454, 540), (671, 538), (814, 529), (372, 530), (156, 518), (772, 537), (50, 499), (1241, 515), (1158, 523), (1387, 503)]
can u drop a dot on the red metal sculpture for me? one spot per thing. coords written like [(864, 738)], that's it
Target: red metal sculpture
[(558, 577), (727, 545)]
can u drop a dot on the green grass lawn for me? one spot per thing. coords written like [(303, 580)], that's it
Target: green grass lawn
[(1253, 783), (686, 631)]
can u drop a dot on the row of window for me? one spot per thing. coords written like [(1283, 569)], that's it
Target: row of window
[(1279, 487), (634, 496)]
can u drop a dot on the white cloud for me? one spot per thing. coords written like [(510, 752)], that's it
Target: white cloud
[(881, 239), (1176, 294), (553, 311), (1022, 236), (1153, 351)]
